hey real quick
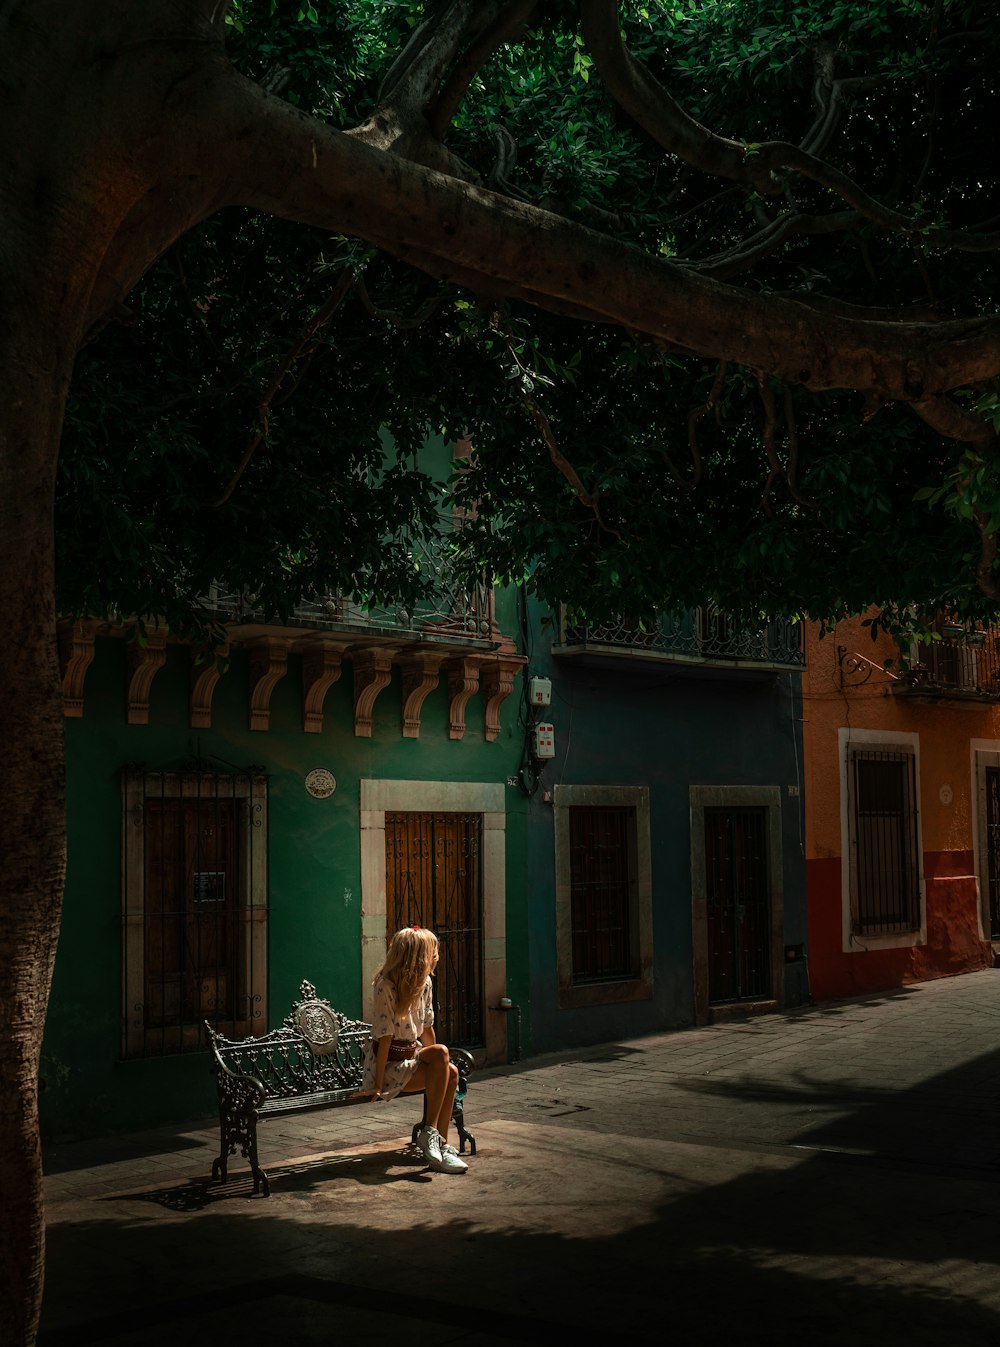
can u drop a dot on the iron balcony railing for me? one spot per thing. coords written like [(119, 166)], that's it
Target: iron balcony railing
[(453, 610), (964, 662), (701, 635)]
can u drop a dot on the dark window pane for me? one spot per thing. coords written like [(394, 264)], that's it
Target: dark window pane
[(602, 892)]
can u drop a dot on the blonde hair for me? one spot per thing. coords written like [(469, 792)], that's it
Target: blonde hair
[(409, 961)]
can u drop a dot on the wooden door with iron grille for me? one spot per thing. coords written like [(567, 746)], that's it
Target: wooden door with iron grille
[(433, 877), (739, 904), (193, 884)]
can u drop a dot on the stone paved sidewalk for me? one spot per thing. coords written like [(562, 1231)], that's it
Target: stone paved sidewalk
[(824, 1174)]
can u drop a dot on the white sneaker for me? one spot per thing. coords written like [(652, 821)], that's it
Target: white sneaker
[(451, 1162), (429, 1141)]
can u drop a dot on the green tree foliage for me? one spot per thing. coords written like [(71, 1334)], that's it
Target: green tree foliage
[(604, 465)]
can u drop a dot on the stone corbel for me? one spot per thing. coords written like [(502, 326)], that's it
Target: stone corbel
[(421, 673), (76, 654), (144, 663), (204, 677), (498, 683), (268, 666), (372, 673), (321, 667), (463, 681)]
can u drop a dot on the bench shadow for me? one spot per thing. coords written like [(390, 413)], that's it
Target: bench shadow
[(374, 1169)]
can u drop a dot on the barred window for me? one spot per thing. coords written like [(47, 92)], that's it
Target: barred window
[(603, 890), (195, 914), (885, 870), (604, 894)]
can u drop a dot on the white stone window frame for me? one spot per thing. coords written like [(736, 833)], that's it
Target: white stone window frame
[(572, 995), (909, 741)]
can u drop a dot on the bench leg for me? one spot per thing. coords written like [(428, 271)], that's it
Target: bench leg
[(260, 1179), (458, 1117), (238, 1131)]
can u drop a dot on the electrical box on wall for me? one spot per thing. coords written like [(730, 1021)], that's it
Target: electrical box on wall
[(545, 740), (540, 691)]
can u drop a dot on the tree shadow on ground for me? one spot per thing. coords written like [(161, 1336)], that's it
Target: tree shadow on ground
[(560, 1235)]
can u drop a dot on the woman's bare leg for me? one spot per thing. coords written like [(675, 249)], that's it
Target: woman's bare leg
[(433, 1077), (447, 1103)]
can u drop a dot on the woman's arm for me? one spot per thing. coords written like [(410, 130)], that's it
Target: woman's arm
[(381, 1057), (427, 1036)]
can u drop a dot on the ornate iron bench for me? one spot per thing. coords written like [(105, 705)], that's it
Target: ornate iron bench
[(313, 1061)]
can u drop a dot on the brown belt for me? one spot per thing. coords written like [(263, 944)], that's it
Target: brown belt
[(402, 1050)]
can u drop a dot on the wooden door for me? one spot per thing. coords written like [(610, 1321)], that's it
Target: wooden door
[(193, 898), (433, 865), (739, 904)]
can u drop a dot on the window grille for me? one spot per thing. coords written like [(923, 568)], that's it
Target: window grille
[(603, 893), (195, 914), (885, 881)]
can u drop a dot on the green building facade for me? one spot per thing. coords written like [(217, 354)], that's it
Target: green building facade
[(234, 832)]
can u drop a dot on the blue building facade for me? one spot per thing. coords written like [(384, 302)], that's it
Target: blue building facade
[(665, 834)]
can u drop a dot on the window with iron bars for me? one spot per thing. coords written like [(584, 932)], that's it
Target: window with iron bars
[(194, 908), (603, 891), (885, 863)]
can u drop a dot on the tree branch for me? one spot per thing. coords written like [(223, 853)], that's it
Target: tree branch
[(562, 463), (952, 421), (318, 321), (504, 27), (280, 161), (648, 103)]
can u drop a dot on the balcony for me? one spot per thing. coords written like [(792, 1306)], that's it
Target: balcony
[(453, 615), (450, 636), (963, 666), (703, 638)]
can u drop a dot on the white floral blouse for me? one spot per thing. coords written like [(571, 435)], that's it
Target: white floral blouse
[(409, 1027)]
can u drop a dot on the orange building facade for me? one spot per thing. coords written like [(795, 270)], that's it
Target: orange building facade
[(902, 781)]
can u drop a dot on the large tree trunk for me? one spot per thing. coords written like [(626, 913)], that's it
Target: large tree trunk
[(32, 854)]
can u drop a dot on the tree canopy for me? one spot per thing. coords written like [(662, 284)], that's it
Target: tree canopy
[(847, 170)]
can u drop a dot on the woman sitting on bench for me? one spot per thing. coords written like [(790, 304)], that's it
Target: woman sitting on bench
[(403, 1056)]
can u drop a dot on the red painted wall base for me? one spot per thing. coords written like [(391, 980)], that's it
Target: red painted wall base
[(953, 943)]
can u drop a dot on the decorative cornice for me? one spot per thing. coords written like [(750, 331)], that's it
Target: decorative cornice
[(76, 654), (498, 682), (321, 667), (372, 673), (463, 681), (421, 674), (204, 676), (268, 666), (144, 663)]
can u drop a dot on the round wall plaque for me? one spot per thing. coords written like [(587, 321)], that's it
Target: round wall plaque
[(320, 783)]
